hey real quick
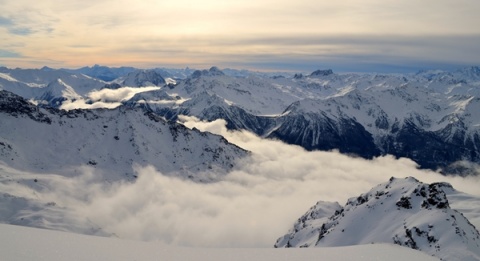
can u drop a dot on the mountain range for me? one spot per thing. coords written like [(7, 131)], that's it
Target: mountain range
[(430, 117), (61, 124), (108, 140)]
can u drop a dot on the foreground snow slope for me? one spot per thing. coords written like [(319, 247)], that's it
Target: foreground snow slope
[(21, 243)]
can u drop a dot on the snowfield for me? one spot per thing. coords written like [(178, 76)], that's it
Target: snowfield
[(23, 244)]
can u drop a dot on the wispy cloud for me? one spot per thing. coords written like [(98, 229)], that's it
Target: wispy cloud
[(13, 27), (9, 54), (5, 22), (21, 31)]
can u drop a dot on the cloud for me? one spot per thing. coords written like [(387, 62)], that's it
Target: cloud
[(254, 204), (117, 95), (13, 28), (5, 22), (9, 54), (254, 34), (105, 98), (21, 31), (82, 104)]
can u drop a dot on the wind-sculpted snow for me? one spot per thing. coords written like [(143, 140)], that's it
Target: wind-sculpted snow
[(401, 211)]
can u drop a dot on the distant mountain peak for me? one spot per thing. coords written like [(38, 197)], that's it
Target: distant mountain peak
[(213, 71), (142, 78), (318, 73), (47, 69)]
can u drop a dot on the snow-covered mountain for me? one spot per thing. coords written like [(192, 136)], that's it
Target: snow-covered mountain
[(401, 211), (104, 73), (430, 120), (141, 78), (52, 87), (43, 140), (431, 117), (47, 86)]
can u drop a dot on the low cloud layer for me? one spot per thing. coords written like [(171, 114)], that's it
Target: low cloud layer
[(250, 207), (105, 98)]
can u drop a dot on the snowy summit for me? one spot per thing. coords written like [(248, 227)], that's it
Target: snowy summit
[(405, 212)]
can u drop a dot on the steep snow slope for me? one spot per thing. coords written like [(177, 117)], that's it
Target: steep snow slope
[(402, 211), (42, 140)]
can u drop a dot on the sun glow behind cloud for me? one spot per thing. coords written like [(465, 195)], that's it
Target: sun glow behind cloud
[(249, 33)]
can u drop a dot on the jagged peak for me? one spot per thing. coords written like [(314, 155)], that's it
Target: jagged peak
[(403, 211), (16, 105), (213, 71), (319, 73), (46, 69), (472, 72), (428, 196), (142, 78)]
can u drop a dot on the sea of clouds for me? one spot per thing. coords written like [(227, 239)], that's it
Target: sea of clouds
[(253, 205)]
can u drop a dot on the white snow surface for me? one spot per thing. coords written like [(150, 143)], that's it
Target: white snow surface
[(111, 141), (401, 211), (22, 244)]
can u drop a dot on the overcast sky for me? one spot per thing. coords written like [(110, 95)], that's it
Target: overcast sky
[(300, 35)]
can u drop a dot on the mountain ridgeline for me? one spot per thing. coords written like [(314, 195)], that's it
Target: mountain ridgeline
[(112, 141), (430, 117), (405, 212)]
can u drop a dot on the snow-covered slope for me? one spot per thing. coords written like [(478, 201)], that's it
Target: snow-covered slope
[(22, 244), (401, 211), (47, 85), (253, 94), (42, 140), (141, 78), (102, 72)]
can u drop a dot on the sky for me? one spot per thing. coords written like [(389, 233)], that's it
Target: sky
[(267, 35)]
